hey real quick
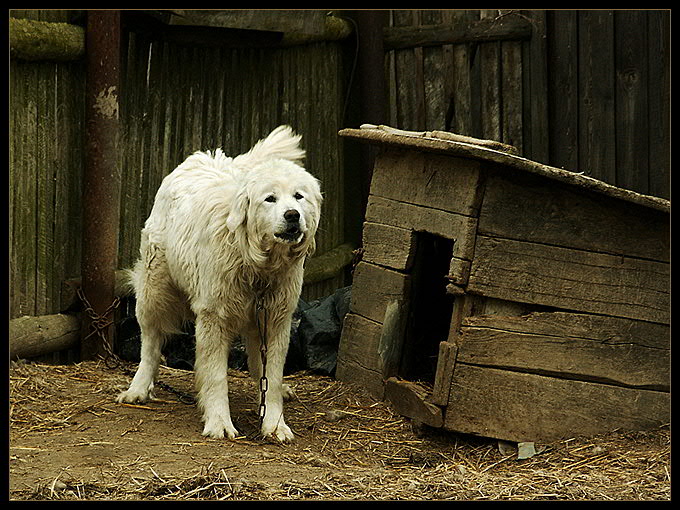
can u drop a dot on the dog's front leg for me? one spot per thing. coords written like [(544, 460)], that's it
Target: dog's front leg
[(213, 338), (273, 424)]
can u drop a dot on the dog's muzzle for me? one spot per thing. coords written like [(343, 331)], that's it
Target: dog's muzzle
[(292, 232)]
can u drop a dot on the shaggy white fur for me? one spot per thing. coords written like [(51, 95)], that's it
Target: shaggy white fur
[(223, 232)]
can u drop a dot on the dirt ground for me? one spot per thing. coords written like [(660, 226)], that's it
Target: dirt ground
[(69, 440)]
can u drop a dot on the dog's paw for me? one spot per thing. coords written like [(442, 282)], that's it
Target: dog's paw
[(220, 428), (132, 395), (279, 432)]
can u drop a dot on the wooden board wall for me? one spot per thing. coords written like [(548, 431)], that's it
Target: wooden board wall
[(46, 109), (175, 99), (594, 354), (228, 98), (589, 91)]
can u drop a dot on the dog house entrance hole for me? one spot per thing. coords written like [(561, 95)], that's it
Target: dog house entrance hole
[(430, 308)]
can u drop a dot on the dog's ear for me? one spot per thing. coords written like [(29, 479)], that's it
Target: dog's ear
[(316, 199), (239, 211)]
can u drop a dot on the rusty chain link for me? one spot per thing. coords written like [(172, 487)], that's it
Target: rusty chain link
[(260, 309), (99, 323)]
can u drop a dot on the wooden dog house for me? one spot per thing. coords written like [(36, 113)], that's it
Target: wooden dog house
[(501, 297)]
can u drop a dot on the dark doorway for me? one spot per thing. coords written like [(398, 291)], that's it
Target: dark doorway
[(430, 308)]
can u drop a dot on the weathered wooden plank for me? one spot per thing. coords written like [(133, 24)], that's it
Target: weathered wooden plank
[(596, 348), (597, 130), (449, 184), (374, 287), (535, 89), (434, 77), (446, 361), (563, 89), (408, 72), (521, 407), (461, 117), (478, 153), (388, 246), (462, 229), (571, 279), (522, 207), (409, 399), (490, 83), (15, 152), (25, 207), (659, 103), (360, 342), (46, 178), (511, 91), (392, 335), (358, 360), (632, 121)]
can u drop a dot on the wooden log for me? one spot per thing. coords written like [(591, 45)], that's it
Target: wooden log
[(329, 264), (34, 336), (41, 40), (516, 406), (484, 30), (570, 279)]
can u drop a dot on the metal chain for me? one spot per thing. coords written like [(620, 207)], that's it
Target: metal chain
[(260, 309), (98, 323), (112, 360)]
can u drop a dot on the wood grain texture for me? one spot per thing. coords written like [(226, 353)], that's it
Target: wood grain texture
[(517, 406), (519, 206), (577, 346), (571, 279)]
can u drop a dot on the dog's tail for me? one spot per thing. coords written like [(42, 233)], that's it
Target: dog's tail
[(281, 143)]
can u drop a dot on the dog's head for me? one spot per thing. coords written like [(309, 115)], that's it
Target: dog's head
[(278, 206)]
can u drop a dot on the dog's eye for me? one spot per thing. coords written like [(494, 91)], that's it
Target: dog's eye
[(298, 196), (270, 198)]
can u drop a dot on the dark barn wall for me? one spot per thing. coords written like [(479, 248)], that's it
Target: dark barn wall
[(181, 98), (175, 99), (584, 90), (587, 91)]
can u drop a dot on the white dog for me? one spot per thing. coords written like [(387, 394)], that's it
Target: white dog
[(225, 235)]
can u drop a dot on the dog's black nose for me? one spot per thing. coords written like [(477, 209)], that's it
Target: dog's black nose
[(291, 215)]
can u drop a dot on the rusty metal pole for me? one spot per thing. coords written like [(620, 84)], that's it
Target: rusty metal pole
[(101, 182)]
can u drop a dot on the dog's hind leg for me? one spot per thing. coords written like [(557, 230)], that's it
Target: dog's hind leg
[(213, 338), (157, 314)]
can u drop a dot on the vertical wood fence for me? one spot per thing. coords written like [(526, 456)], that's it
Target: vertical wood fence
[(179, 99), (588, 91), (175, 99), (46, 112), (584, 90)]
